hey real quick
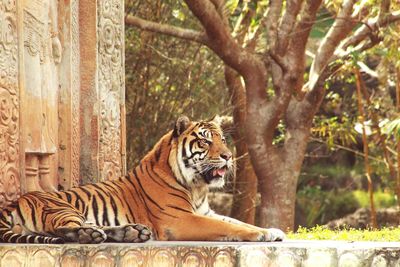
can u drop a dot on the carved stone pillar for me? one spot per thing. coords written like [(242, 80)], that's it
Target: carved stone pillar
[(102, 84), (69, 128), (61, 94), (40, 56), (9, 104)]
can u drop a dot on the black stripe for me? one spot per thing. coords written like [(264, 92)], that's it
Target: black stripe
[(95, 208), (97, 186), (170, 139), (85, 205), (184, 147), (130, 189), (71, 221), (33, 215), (178, 208), (194, 134), (114, 193), (88, 193), (151, 200), (115, 210), (134, 172), (13, 238), (202, 201), (31, 239), (141, 167), (21, 216), (172, 187), (149, 212), (58, 194), (158, 152), (147, 195), (68, 196), (78, 199), (181, 197), (117, 193), (151, 176), (105, 222)]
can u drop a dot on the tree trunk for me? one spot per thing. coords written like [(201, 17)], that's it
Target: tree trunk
[(245, 189)]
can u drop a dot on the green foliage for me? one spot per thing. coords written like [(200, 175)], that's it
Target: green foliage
[(381, 199), (321, 27), (334, 130), (392, 128), (322, 206), (321, 233)]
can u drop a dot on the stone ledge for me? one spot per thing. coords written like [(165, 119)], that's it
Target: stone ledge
[(282, 254)]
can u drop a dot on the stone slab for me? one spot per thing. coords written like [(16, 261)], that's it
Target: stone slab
[(154, 253)]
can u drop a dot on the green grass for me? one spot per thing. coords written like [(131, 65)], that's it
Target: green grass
[(320, 233)]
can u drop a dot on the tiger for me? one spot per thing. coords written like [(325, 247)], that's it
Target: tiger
[(163, 198)]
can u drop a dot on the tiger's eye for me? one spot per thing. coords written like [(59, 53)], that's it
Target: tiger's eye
[(203, 142)]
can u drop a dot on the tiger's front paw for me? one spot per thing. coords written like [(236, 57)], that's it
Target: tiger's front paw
[(91, 235), (274, 234)]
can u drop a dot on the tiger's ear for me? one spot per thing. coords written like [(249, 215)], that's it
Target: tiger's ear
[(225, 122), (182, 123)]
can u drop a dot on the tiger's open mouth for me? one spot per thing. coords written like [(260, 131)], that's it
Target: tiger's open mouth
[(215, 173)]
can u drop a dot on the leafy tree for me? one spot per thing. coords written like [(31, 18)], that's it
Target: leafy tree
[(264, 46)]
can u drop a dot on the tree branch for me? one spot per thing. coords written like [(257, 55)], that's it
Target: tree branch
[(287, 23), (366, 30), (296, 49), (342, 26), (219, 36), (186, 34), (272, 21)]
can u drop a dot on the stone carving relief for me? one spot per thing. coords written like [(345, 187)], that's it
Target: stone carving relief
[(75, 146), (111, 85), (9, 104), (124, 255), (42, 52)]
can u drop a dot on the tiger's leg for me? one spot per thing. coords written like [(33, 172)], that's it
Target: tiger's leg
[(70, 225), (82, 234), (273, 234), (129, 233), (193, 227)]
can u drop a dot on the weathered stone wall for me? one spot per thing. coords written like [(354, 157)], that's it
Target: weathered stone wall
[(291, 253), (10, 156), (102, 104), (61, 94)]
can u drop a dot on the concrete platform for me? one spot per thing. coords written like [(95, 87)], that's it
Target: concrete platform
[(157, 254)]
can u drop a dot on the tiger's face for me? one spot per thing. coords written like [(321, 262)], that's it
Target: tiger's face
[(201, 155)]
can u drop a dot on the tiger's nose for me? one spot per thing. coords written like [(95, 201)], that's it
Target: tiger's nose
[(226, 155)]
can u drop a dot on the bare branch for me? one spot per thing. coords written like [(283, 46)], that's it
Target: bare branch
[(278, 60), (272, 21), (242, 24), (287, 23), (186, 34), (342, 26), (296, 49), (384, 11), (302, 30), (365, 31)]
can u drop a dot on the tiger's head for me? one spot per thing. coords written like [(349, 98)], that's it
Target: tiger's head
[(199, 154)]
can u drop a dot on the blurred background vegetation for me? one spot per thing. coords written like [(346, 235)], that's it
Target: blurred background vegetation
[(166, 77)]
